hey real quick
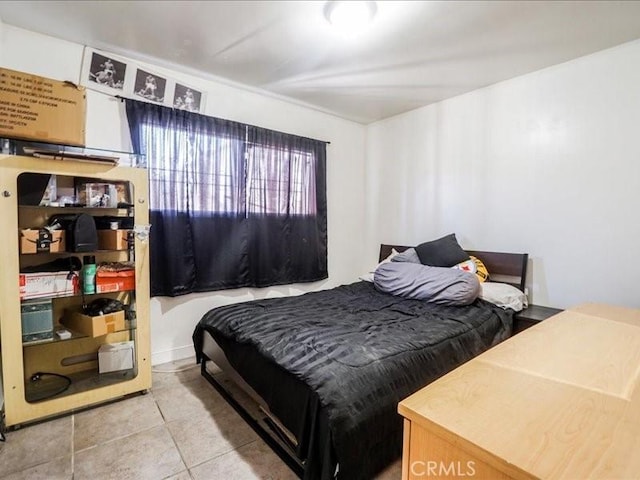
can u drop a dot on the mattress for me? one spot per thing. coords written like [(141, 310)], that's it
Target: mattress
[(333, 365)]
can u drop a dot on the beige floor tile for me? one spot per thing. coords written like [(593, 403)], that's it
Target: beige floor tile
[(205, 437), (35, 445), (189, 400), (58, 469), (150, 454), (174, 373), (180, 476), (249, 462), (183, 422), (115, 420)]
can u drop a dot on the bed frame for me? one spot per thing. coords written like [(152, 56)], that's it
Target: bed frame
[(259, 418), (504, 267)]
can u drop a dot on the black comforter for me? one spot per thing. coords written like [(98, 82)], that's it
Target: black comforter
[(360, 352)]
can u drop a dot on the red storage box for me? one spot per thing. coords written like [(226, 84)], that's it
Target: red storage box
[(115, 281)]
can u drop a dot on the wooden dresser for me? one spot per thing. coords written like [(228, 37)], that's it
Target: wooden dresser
[(559, 400)]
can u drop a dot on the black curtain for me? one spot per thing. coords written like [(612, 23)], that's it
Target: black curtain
[(231, 205)]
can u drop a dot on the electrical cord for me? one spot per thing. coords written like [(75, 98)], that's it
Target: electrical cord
[(177, 370), (36, 377)]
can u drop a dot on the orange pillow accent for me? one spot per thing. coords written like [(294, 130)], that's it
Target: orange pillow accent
[(474, 265)]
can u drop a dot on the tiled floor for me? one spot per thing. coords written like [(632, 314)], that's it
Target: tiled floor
[(181, 430)]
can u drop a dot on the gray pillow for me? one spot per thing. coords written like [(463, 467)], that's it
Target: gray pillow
[(409, 255), (444, 286), (443, 252)]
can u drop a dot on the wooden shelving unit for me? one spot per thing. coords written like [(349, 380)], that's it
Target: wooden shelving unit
[(25, 399)]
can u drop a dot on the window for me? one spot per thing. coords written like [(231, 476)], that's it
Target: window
[(231, 204), (280, 182)]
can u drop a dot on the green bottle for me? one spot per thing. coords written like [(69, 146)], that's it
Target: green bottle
[(89, 274)]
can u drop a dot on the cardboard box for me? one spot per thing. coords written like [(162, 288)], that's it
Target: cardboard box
[(115, 281), (48, 284), (33, 240), (113, 239), (113, 357), (39, 108), (94, 326)]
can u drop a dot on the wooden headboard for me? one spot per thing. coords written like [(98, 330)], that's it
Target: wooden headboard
[(508, 268)]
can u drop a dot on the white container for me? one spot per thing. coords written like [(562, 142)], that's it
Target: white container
[(48, 284), (113, 357)]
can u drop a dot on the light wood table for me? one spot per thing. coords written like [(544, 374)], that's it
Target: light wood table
[(559, 400)]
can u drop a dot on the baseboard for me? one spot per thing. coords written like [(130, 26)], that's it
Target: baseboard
[(166, 356)]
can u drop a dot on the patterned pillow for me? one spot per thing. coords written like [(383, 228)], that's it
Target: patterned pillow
[(474, 265)]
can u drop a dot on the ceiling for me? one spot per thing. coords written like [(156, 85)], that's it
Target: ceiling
[(413, 54)]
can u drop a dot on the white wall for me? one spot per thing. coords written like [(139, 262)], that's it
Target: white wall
[(173, 320), (547, 163)]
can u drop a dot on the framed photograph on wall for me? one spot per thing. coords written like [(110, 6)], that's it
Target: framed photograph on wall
[(188, 98), (115, 75), (149, 86), (104, 72)]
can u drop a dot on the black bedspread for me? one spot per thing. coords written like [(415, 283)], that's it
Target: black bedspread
[(360, 351)]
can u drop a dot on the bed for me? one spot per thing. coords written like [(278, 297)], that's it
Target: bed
[(327, 369)]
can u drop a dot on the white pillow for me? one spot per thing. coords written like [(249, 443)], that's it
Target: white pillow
[(503, 295), (368, 277)]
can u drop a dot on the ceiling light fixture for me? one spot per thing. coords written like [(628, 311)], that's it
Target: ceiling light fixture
[(350, 17)]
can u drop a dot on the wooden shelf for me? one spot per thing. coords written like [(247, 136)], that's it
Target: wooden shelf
[(27, 400), (49, 387), (128, 326), (123, 211), (70, 254), (75, 295)]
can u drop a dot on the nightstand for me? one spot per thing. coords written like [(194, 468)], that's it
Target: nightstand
[(531, 315)]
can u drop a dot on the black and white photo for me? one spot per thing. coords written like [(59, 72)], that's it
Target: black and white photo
[(107, 71), (150, 86), (114, 75), (187, 98)]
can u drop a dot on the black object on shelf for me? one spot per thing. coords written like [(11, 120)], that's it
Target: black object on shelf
[(80, 231), (103, 306), (31, 188), (70, 264)]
